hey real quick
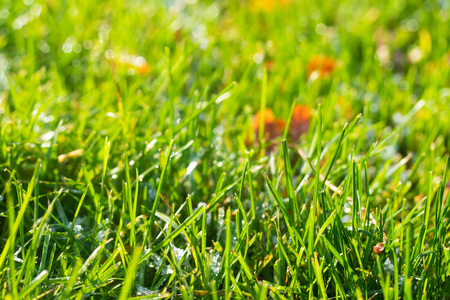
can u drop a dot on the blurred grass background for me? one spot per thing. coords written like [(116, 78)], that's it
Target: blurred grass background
[(59, 88)]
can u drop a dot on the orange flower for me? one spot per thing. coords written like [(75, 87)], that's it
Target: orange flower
[(272, 127), (300, 121), (269, 64), (268, 117), (321, 65)]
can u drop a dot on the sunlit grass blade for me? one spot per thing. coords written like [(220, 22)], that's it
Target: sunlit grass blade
[(161, 181), (130, 275)]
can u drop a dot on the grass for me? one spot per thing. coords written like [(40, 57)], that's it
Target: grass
[(133, 167)]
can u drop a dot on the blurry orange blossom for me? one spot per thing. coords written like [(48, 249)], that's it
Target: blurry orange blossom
[(273, 128), (300, 121), (321, 66)]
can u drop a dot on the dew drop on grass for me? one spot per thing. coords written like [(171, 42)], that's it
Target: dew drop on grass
[(67, 47), (398, 118), (388, 266), (412, 25), (258, 58), (199, 31), (321, 28), (36, 9), (4, 13), (20, 22), (216, 263), (109, 54), (213, 11), (156, 263), (179, 253), (88, 44), (111, 115), (142, 291), (44, 47), (77, 48)]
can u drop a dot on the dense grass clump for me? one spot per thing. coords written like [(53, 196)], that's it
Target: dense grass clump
[(253, 149)]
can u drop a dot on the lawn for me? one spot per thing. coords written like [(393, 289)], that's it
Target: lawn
[(231, 149)]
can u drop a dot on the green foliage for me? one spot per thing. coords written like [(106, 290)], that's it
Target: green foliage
[(130, 166)]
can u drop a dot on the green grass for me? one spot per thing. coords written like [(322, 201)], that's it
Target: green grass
[(128, 167)]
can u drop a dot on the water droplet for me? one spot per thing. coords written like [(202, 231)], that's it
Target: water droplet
[(109, 54), (258, 58), (36, 9), (77, 48), (4, 13), (67, 48), (321, 28), (44, 47), (412, 25), (87, 44)]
